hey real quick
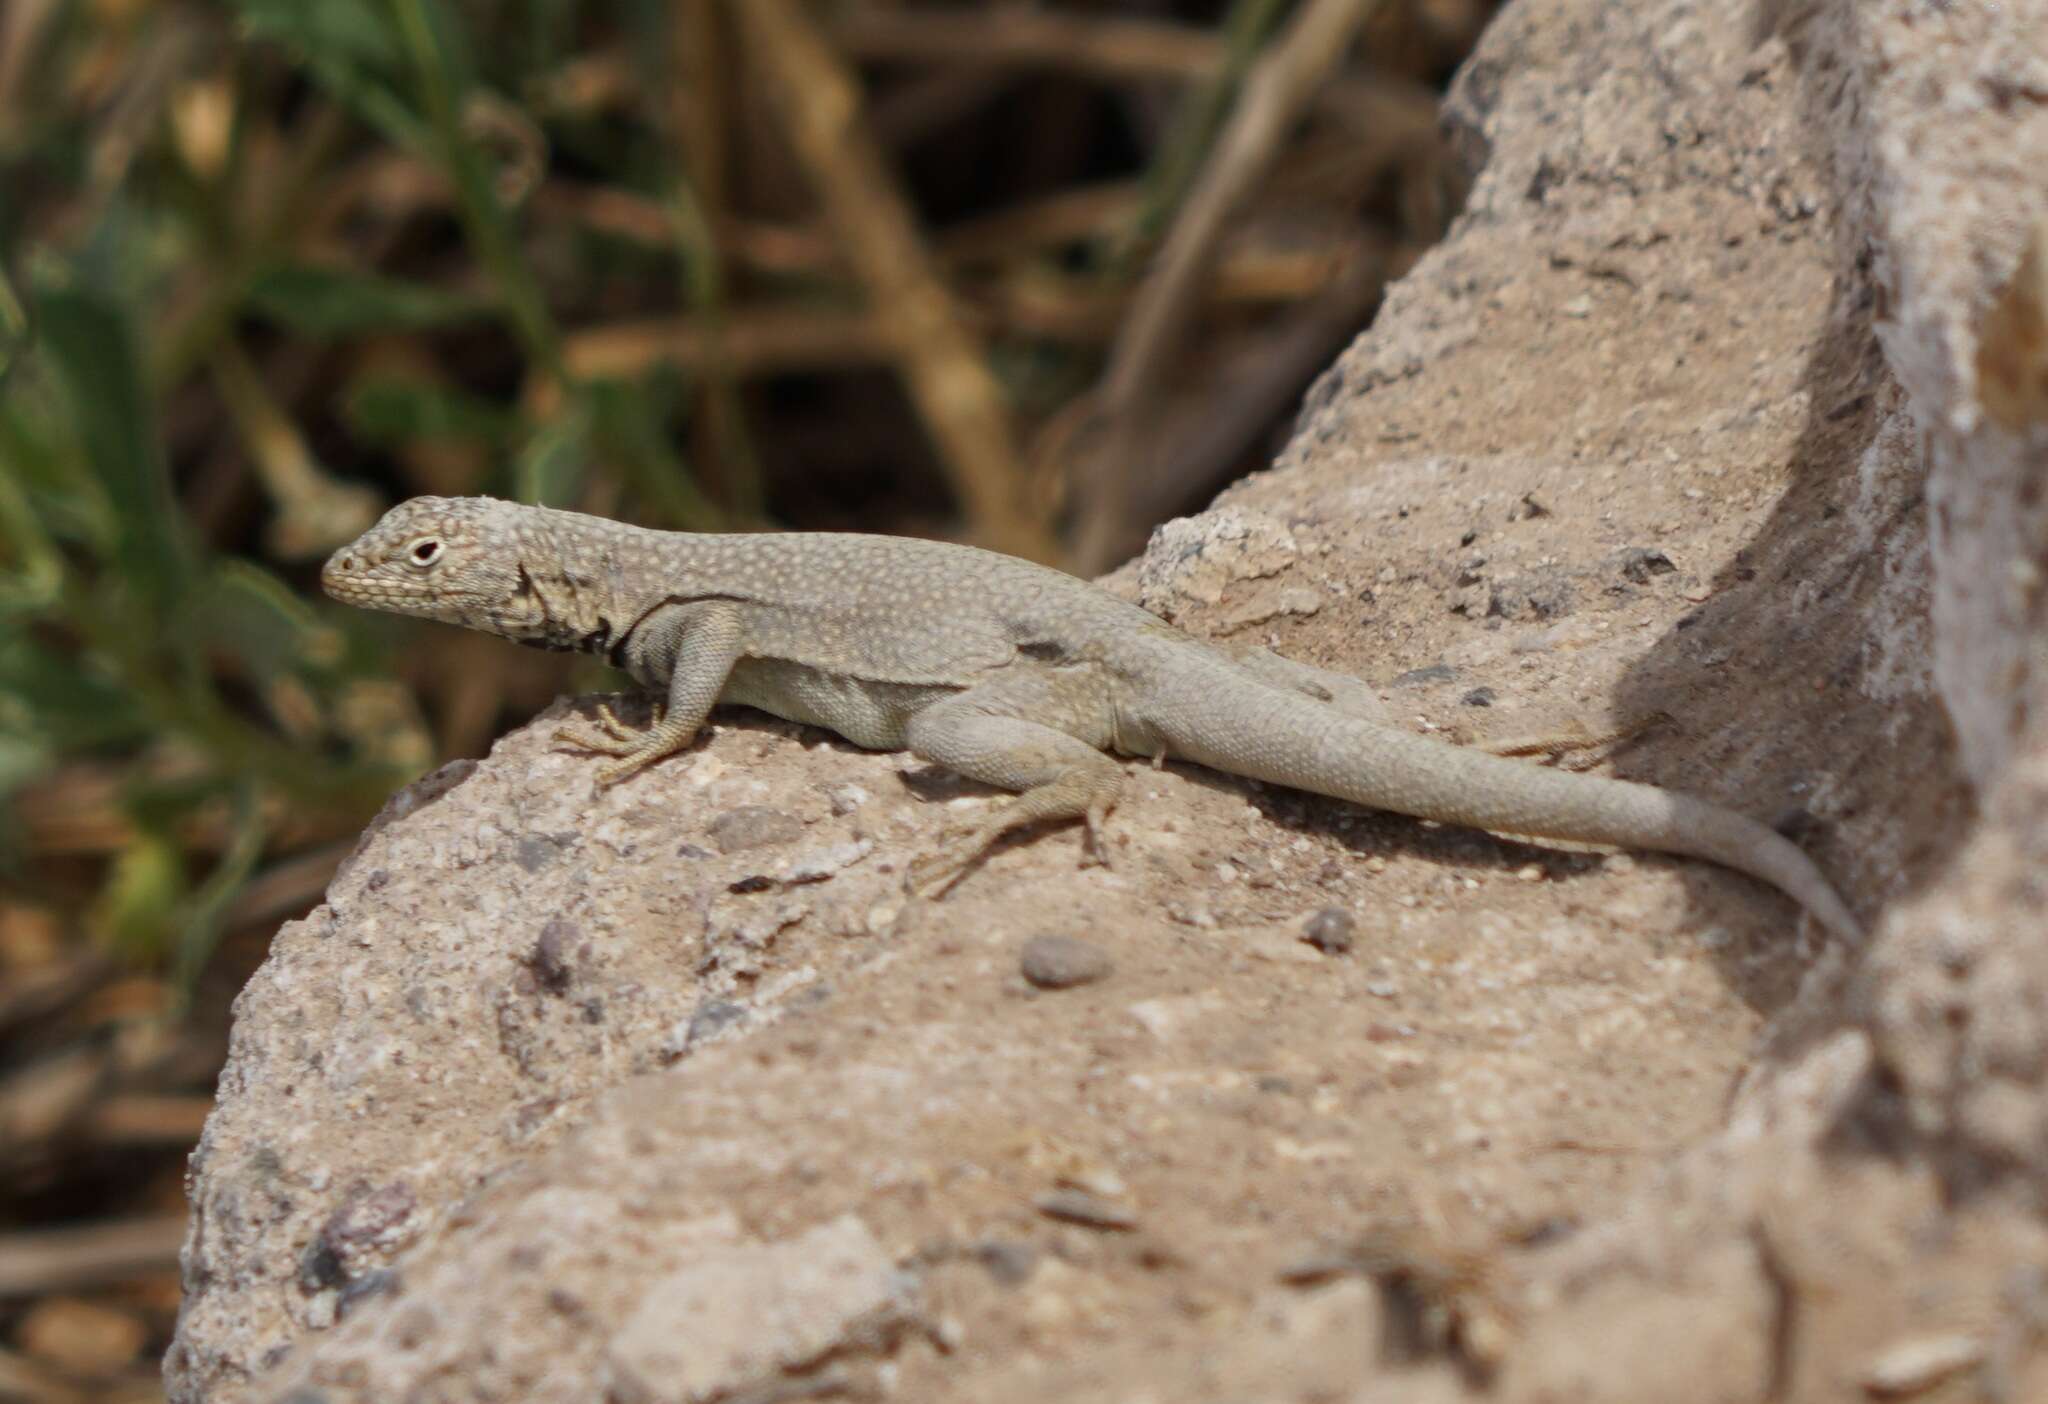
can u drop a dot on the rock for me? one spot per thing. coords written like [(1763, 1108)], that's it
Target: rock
[(1638, 563), (1076, 1206), (1781, 399), (1919, 1364), (1008, 1263), (1062, 962), (1331, 930), (754, 826), (740, 1316)]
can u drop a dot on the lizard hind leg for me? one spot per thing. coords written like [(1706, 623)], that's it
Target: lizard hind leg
[(1354, 697), (1057, 775)]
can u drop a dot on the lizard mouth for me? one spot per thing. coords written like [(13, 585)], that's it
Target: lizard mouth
[(346, 578)]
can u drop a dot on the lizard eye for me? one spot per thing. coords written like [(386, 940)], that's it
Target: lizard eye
[(425, 553)]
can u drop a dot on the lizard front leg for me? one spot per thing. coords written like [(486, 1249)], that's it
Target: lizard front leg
[(700, 642)]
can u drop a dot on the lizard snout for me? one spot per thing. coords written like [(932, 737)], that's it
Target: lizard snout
[(339, 571)]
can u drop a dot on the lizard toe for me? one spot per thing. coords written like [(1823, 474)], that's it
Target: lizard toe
[(588, 738)]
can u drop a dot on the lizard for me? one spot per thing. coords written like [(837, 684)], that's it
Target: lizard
[(1010, 673)]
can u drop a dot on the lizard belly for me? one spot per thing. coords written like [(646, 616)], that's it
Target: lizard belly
[(866, 712)]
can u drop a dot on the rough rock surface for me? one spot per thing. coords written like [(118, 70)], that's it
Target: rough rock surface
[(1714, 421)]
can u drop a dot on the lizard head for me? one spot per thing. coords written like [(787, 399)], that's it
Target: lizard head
[(462, 560)]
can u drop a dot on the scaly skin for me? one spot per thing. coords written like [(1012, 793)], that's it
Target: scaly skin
[(1007, 672)]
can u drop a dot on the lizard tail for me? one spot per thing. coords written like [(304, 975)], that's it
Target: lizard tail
[(1273, 735)]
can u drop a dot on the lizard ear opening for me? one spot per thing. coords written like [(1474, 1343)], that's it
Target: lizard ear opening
[(425, 553)]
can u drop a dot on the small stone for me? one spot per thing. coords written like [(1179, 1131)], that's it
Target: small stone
[(713, 1017), (552, 959), (1008, 1263), (1530, 872), (1168, 1015), (1317, 1266), (844, 799), (1062, 962), (1638, 563), (1331, 931), (753, 826), (741, 1316), (377, 1282), (1914, 1366), (1072, 1206), (821, 864)]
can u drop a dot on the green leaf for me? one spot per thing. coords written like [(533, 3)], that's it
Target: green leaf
[(357, 30), (199, 924), (62, 700), (22, 759), (386, 410), (92, 348), (31, 571), (137, 910), (352, 50), (251, 614), (320, 301), (629, 426), (549, 469), (14, 328)]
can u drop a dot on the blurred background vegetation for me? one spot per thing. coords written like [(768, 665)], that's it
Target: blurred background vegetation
[(1031, 275)]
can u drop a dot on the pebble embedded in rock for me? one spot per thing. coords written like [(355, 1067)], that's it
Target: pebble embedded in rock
[(1062, 962), (753, 826), (1331, 931), (1008, 1263), (1638, 563), (551, 960), (1072, 1206)]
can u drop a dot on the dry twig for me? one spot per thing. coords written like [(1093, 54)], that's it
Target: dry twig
[(949, 380), (1316, 39), (66, 1260)]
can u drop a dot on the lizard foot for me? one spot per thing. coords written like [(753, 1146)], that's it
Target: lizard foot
[(939, 872), (588, 738), (608, 722), (633, 749), (1586, 747)]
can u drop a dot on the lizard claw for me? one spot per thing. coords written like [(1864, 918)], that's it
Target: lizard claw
[(629, 763), (939, 872), (608, 721), (633, 748), (587, 738), (1094, 844)]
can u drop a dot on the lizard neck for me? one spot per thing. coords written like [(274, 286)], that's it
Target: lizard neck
[(576, 592)]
